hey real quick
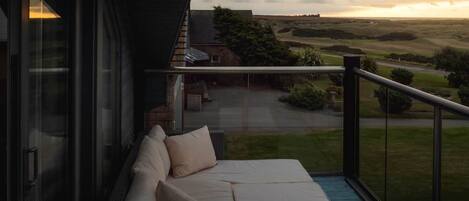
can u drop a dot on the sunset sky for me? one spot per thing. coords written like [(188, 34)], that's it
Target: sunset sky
[(348, 8)]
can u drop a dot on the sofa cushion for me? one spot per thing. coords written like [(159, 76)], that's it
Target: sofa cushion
[(308, 191), (149, 159), (255, 171), (204, 190), (157, 133), (168, 192), (143, 186), (191, 152)]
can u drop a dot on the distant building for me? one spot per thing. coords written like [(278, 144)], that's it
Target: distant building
[(203, 39)]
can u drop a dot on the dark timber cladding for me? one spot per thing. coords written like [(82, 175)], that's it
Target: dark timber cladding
[(156, 30)]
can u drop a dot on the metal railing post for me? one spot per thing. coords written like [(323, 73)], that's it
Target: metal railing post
[(351, 116), (437, 146)]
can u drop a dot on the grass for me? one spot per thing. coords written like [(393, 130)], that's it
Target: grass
[(432, 34), (409, 157), (369, 106)]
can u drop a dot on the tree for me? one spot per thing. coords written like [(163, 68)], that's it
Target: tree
[(369, 65), (254, 43), (456, 62)]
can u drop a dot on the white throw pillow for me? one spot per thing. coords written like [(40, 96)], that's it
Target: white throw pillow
[(168, 192), (157, 133), (149, 159), (143, 186), (191, 152)]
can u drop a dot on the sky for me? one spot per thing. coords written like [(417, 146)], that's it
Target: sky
[(347, 8)]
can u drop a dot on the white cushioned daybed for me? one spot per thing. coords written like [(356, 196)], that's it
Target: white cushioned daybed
[(225, 180)]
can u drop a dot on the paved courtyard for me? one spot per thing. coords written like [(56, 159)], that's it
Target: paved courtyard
[(242, 109)]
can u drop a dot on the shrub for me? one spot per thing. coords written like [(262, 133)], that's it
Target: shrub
[(310, 57), (402, 76), (306, 96), (343, 49), (397, 36), (369, 65), (464, 95), (398, 102), (337, 79)]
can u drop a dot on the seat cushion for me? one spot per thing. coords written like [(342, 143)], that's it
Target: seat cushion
[(191, 152), (149, 158), (143, 186), (308, 191), (255, 172), (158, 135), (168, 192), (204, 190)]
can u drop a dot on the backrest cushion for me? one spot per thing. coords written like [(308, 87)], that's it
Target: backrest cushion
[(143, 186), (191, 152), (158, 135), (168, 192), (149, 159)]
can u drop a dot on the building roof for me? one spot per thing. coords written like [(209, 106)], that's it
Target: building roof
[(194, 55), (202, 30), (156, 26)]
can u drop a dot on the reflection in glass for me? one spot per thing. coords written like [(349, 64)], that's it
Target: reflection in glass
[(260, 123), (49, 101), (372, 136), (410, 149), (455, 161)]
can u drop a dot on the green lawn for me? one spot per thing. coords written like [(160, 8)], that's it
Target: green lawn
[(409, 157), (369, 106)]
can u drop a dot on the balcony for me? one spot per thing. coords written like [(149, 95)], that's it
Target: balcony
[(416, 155)]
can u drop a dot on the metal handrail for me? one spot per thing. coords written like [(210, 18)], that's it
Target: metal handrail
[(415, 93), (250, 70)]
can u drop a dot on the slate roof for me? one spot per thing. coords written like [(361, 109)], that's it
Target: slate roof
[(156, 26), (195, 55), (202, 29)]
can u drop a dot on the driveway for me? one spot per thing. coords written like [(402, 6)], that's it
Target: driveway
[(242, 109)]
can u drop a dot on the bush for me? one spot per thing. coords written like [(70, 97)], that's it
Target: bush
[(397, 36), (337, 79), (306, 96), (310, 57), (369, 65), (464, 95), (398, 102), (402, 76), (343, 49)]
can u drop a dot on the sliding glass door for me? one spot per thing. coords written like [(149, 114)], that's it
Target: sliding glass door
[(46, 102)]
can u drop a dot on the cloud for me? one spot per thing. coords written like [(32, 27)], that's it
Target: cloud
[(343, 7)]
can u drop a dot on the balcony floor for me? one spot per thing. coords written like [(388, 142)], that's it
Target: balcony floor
[(337, 189)]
